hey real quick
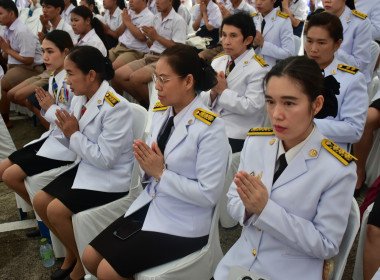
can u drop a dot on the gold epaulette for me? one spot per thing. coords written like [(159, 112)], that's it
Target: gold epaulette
[(52, 73), (204, 116), (254, 14), (219, 55), (260, 131), (343, 156), (359, 14), (260, 60), (282, 14), (159, 107), (347, 68), (111, 98)]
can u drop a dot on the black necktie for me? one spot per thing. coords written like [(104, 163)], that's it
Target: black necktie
[(163, 139), (281, 168), (262, 26), (230, 67)]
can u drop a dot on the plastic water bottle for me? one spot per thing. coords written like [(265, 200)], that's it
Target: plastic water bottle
[(47, 254)]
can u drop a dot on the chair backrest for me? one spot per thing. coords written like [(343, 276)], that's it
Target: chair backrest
[(140, 119), (353, 225)]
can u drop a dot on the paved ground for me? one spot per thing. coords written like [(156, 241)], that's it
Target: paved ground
[(19, 255)]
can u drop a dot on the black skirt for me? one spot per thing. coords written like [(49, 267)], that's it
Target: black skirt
[(375, 104), (144, 249), (78, 200), (374, 216), (31, 163)]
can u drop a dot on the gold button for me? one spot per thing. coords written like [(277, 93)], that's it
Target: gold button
[(333, 72), (254, 252), (190, 121), (271, 142), (272, 18), (99, 101), (347, 18), (259, 229), (153, 195), (313, 153)]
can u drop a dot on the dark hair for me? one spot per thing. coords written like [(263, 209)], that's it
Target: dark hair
[(74, 2), (92, 2), (350, 4), (89, 58), (278, 3), (86, 13), (244, 22), (307, 74), (184, 60), (55, 4), (328, 21), (176, 4), (121, 4), (61, 39), (9, 6)]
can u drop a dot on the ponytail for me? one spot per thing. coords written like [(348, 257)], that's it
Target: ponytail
[(351, 4)]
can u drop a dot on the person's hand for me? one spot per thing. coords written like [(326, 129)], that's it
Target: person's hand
[(5, 45), (259, 40), (44, 21), (151, 160), (223, 10), (41, 36), (252, 192), (66, 122), (150, 32), (221, 85), (203, 7), (126, 17), (44, 98)]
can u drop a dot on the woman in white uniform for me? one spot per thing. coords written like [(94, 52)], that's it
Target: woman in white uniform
[(323, 39), (102, 138), (184, 163), (293, 193), (274, 38), (356, 46)]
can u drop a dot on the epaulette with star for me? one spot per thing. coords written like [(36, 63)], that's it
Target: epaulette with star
[(204, 116), (254, 14), (260, 60), (347, 68), (359, 14), (159, 107), (111, 98), (260, 131), (282, 14), (342, 155)]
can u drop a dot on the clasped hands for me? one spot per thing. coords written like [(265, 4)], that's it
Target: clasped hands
[(151, 159), (252, 192)]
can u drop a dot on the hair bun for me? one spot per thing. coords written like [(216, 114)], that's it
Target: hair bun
[(208, 77), (330, 104)]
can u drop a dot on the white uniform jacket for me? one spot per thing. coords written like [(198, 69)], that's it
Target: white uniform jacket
[(53, 147), (278, 37), (103, 142), (304, 219), (240, 105), (196, 156), (372, 9), (347, 127), (355, 49)]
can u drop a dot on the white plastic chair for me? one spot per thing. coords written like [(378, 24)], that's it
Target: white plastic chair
[(353, 225), (198, 265), (358, 269), (88, 224), (297, 44)]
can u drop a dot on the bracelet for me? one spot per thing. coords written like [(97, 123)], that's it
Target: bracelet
[(159, 178)]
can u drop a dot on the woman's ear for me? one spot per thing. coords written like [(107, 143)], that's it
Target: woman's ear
[(92, 75), (189, 81), (317, 104)]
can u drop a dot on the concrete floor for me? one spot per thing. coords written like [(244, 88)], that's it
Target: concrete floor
[(19, 255)]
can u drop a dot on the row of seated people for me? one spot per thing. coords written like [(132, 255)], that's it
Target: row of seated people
[(229, 70), (185, 161)]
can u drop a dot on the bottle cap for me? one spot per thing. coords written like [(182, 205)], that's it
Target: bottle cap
[(43, 241)]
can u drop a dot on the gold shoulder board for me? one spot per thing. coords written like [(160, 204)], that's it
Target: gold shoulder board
[(260, 60), (359, 14), (347, 68), (343, 156), (52, 73), (254, 14), (282, 14), (204, 116), (111, 98), (260, 131), (219, 55), (159, 107)]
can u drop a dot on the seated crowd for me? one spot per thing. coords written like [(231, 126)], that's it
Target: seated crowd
[(207, 143)]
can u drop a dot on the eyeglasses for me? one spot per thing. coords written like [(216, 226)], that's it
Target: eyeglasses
[(162, 80)]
